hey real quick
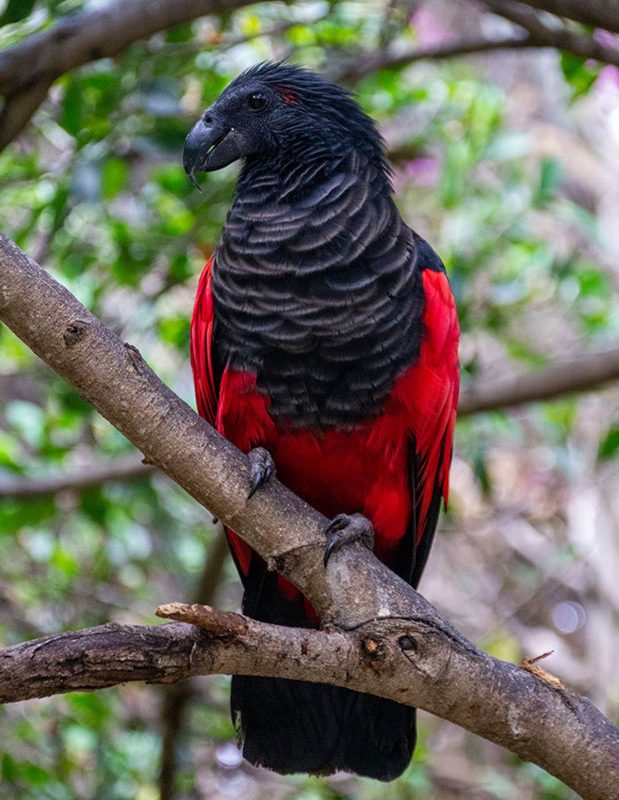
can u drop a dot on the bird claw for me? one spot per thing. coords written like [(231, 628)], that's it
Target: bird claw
[(345, 529), (261, 468)]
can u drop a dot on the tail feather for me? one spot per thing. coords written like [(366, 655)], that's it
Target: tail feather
[(297, 726)]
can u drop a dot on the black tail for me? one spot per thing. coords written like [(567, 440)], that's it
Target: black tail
[(296, 726)]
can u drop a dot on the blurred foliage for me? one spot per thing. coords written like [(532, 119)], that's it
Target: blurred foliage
[(95, 191)]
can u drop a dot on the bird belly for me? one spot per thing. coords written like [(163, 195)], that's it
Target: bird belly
[(363, 469)]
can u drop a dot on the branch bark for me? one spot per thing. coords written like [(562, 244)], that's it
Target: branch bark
[(28, 69), (361, 65), (559, 35), (400, 659), (577, 374), (598, 13), (381, 635), (121, 468)]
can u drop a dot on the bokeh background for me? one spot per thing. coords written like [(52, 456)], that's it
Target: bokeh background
[(508, 162)]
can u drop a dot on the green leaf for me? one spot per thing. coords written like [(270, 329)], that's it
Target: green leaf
[(8, 768), (609, 447), (550, 176), (16, 10), (34, 773), (580, 73), (71, 116), (113, 177)]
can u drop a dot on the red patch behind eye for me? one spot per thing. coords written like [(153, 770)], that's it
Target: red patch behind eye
[(289, 97)]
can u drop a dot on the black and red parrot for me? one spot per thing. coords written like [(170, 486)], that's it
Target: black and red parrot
[(324, 332)]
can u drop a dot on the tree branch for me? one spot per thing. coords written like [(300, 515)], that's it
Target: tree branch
[(538, 34), (121, 468), (387, 640), (577, 374), (400, 659), (360, 65), (29, 68), (547, 35), (18, 109), (597, 13)]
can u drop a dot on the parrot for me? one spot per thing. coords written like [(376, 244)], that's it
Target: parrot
[(323, 344)]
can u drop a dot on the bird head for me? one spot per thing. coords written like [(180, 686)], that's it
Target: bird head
[(275, 108)]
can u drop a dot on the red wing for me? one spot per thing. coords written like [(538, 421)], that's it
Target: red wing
[(206, 385), (201, 350), (429, 393)]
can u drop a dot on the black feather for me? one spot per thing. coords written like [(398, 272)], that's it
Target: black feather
[(296, 726)]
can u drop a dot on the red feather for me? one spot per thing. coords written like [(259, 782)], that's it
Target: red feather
[(365, 469), (200, 347)]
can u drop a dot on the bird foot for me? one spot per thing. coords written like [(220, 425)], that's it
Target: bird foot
[(345, 529), (261, 468)]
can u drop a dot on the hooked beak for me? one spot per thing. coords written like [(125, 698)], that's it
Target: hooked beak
[(211, 145), (201, 141)]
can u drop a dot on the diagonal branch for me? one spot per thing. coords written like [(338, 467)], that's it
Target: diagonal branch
[(383, 636), (18, 108)]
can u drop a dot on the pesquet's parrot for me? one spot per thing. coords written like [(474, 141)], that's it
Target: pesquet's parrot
[(324, 339)]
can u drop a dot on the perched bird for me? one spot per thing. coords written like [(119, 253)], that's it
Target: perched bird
[(324, 334)]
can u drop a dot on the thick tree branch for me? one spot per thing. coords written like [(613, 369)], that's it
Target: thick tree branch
[(388, 639), (558, 35), (28, 69), (400, 659)]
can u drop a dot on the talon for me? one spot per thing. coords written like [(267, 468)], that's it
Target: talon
[(261, 468), (345, 529)]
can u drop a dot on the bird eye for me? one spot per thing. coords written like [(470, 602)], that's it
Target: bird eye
[(256, 101)]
